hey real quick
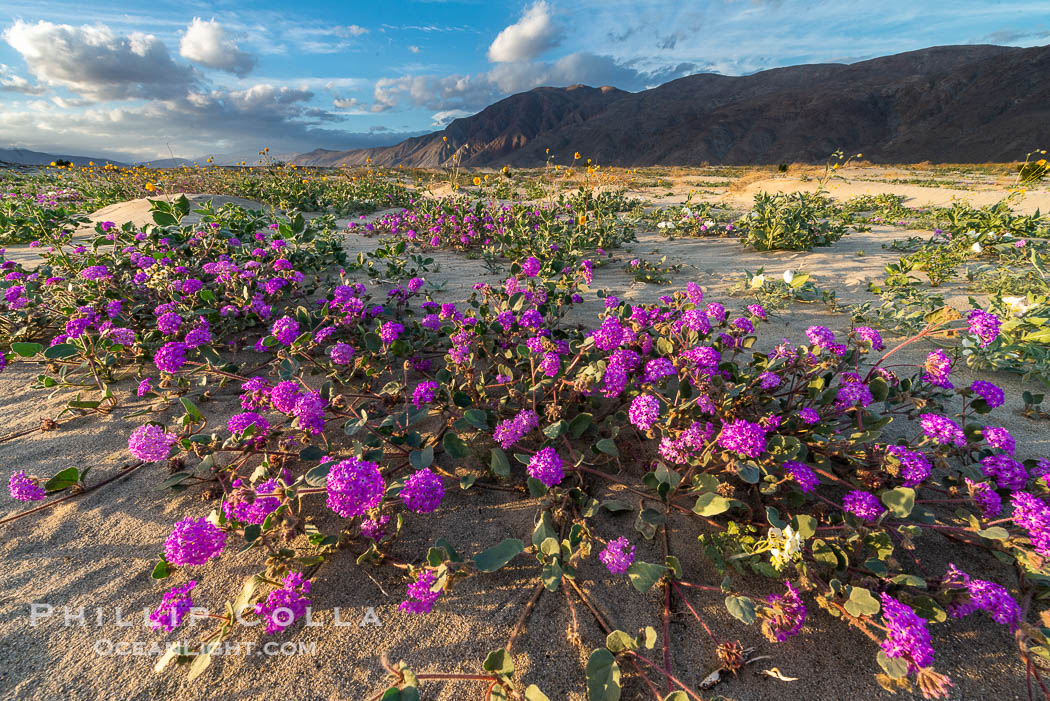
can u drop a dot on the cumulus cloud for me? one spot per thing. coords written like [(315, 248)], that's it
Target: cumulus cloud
[(214, 121), (207, 43), (98, 64), (527, 38), (469, 93)]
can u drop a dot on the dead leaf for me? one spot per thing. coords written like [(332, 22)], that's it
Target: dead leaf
[(777, 674)]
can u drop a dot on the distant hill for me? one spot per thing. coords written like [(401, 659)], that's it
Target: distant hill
[(25, 157), (946, 104)]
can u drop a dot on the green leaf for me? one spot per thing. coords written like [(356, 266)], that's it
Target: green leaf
[(316, 476), (477, 418), (536, 488), (579, 424), (551, 575), (616, 506), (455, 446), (618, 641), (544, 529), (203, 659), (247, 591), (447, 547), (422, 458), (311, 453), (677, 696), (862, 603), (161, 570), (498, 463), (644, 575), (27, 350), (741, 608), (63, 480), (894, 667), (711, 504), (60, 350), (192, 410), (994, 533), (499, 555), (500, 662), (805, 525), (164, 219), (533, 693), (607, 446), (603, 676), (900, 501)]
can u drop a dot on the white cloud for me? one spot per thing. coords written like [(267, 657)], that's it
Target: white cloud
[(12, 82), (527, 38), (96, 63), (414, 49), (471, 93), (441, 119), (199, 122), (206, 43)]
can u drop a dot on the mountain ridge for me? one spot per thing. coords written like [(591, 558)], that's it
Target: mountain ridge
[(945, 103)]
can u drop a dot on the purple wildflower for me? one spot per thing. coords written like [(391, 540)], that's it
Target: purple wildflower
[(914, 466), (354, 487), (785, 616), (1007, 472), (511, 431), (25, 488), (991, 394), (821, 337), (984, 325), (938, 368), (193, 542), (173, 608), (342, 354), (743, 437), (171, 357), (999, 437), (286, 330), (285, 605), (985, 498), (864, 505), (809, 415), (546, 466), (420, 595), (866, 333), (423, 491), (617, 556), (942, 430), (150, 443), (644, 411), (803, 474), (908, 637)]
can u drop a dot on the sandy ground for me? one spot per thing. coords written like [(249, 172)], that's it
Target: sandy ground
[(97, 552)]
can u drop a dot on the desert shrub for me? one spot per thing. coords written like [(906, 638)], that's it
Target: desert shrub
[(558, 235), (794, 222)]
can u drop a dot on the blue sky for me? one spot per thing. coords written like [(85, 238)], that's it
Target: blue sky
[(130, 80)]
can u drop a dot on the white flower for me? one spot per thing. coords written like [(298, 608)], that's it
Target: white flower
[(709, 223), (1018, 305), (686, 212), (785, 543), (789, 275), (665, 225), (758, 281), (976, 247)]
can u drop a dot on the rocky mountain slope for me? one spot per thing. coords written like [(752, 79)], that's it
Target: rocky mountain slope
[(945, 104)]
